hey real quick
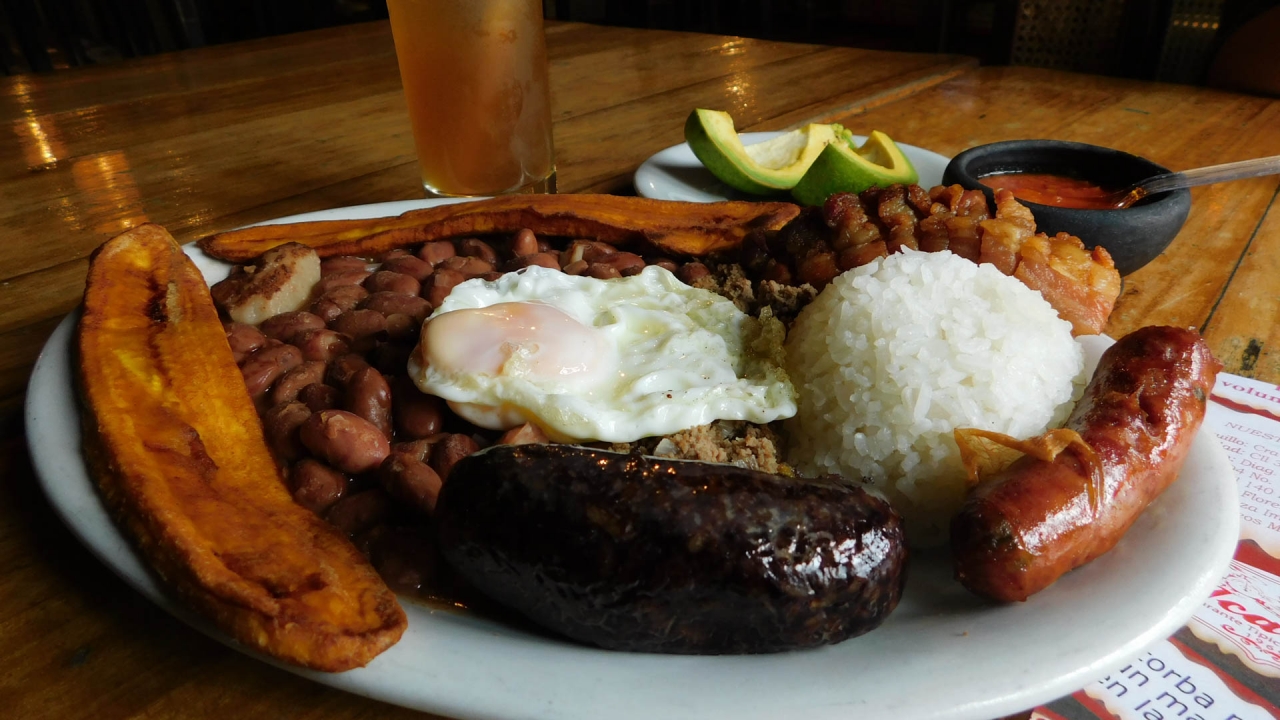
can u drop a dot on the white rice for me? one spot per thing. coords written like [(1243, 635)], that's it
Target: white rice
[(893, 356)]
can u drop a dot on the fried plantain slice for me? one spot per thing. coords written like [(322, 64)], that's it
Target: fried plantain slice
[(681, 228), (178, 453)]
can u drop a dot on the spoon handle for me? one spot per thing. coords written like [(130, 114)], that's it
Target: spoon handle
[(1212, 174)]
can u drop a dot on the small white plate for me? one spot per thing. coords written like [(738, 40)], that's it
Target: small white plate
[(942, 654), (677, 174)]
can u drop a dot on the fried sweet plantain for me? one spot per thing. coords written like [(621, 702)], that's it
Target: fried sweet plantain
[(178, 453), (681, 228)]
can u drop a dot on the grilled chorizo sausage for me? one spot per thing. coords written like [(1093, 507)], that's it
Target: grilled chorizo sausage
[(1023, 528), (639, 553)]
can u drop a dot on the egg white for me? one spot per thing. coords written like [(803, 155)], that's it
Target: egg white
[(672, 357)]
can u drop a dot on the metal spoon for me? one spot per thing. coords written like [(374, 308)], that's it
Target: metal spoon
[(1190, 178)]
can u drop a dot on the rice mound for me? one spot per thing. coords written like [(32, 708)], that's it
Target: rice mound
[(893, 356)]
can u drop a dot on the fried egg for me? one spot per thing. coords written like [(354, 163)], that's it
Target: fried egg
[(586, 359)]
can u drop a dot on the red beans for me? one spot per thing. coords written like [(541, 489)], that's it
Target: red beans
[(420, 450), (280, 426), (391, 357), (405, 557), (692, 272), (602, 271), (437, 252), (267, 364), (369, 396), (573, 253), (471, 247), (362, 326), (316, 486), (586, 250), (410, 265), (402, 327), (440, 284), (417, 415), (339, 393), (357, 513), (288, 327), (470, 267), (392, 254), (343, 263), (410, 481), (344, 440), (546, 260), (343, 368), (627, 264), (291, 383), (323, 345), (600, 261), (337, 301), (243, 339), (524, 243), (446, 453), (394, 282), (341, 279), (318, 396), (389, 303)]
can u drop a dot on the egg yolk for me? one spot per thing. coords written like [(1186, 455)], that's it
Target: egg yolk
[(527, 340)]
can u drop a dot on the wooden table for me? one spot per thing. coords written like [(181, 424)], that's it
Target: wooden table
[(214, 138)]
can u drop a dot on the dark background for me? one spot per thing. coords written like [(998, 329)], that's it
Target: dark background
[(1172, 40)]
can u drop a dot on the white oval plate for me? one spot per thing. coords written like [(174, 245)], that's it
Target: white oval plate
[(677, 174), (942, 654)]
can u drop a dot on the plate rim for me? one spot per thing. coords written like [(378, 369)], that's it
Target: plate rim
[(377, 681)]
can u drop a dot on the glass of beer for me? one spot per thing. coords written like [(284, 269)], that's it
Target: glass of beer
[(475, 78)]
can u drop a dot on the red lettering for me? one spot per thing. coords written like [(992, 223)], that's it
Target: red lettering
[(1264, 624), (1232, 606), (1261, 622)]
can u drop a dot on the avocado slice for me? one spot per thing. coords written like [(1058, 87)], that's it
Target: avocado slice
[(842, 168), (773, 166)]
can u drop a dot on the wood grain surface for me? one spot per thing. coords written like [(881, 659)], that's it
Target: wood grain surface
[(211, 139)]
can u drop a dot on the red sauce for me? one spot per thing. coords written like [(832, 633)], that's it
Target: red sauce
[(1055, 190)]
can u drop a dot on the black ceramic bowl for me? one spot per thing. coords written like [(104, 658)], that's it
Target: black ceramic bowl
[(1134, 236)]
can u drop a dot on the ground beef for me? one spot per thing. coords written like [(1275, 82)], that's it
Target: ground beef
[(736, 442), (728, 280), (786, 301)]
